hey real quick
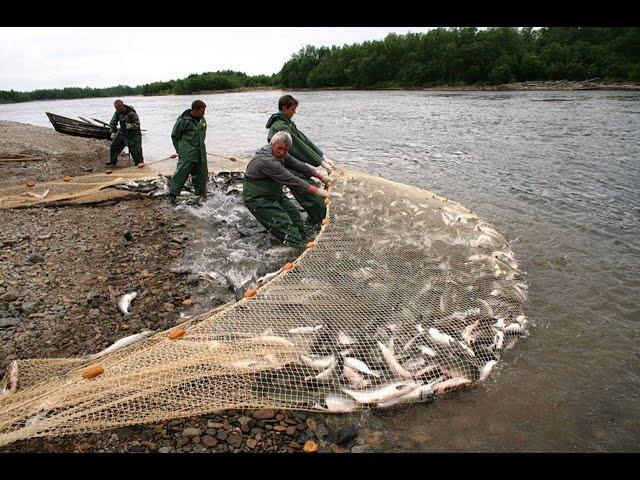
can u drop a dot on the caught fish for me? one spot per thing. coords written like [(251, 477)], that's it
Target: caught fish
[(355, 379), (515, 328), (317, 363), (345, 339), (383, 393), (337, 404), (390, 358), (498, 340), (468, 331), (467, 349), (325, 375), (38, 195), (420, 394), (441, 338), (305, 329), (268, 277), (272, 339), (125, 301), (428, 351), (360, 366), (12, 380), (486, 370), (123, 342), (450, 384)]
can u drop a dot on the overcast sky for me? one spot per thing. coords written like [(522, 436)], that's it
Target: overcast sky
[(57, 57)]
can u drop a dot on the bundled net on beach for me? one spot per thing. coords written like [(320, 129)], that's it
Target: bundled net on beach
[(403, 296)]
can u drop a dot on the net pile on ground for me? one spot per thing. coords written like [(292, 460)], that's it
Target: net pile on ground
[(403, 296)]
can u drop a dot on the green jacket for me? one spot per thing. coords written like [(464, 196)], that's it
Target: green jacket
[(130, 117), (188, 137), (303, 149)]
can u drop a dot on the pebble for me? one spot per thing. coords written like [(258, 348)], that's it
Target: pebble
[(190, 432), (209, 441), (8, 322), (252, 443), (35, 258)]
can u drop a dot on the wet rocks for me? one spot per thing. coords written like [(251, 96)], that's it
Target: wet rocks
[(9, 322)]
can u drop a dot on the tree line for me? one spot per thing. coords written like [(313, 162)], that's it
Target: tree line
[(444, 56)]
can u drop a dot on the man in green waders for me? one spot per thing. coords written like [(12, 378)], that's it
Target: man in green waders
[(302, 149), (270, 169), (128, 135), (188, 137)]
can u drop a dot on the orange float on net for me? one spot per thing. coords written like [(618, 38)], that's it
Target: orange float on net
[(325, 221), (141, 165), (287, 266), (329, 184), (176, 333), (327, 201), (93, 372), (66, 178), (250, 293), (233, 159), (31, 183), (108, 172), (311, 245)]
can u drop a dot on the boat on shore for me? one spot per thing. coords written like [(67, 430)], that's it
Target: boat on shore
[(78, 128)]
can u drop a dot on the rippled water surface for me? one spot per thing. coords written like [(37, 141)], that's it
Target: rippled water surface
[(556, 172)]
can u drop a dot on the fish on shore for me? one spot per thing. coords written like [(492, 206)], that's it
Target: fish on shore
[(451, 384), (337, 404), (123, 342), (125, 301), (360, 366), (12, 380), (355, 379), (382, 393)]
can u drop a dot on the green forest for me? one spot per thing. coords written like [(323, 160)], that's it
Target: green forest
[(444, 56)]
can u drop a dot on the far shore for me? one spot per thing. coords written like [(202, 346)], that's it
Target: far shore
[(533, 86)]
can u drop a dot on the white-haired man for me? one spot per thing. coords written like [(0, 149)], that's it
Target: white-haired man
[(265, 176)]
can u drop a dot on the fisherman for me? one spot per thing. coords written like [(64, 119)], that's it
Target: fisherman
[(302, 149), (128, 135), (188, 137), (270, 169)]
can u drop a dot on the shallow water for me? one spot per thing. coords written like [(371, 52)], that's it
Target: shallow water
[(557, 173)]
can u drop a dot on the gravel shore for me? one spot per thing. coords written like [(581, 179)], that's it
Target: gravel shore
[(61, 270)]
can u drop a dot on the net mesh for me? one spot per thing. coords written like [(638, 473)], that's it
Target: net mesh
[(404, 295)]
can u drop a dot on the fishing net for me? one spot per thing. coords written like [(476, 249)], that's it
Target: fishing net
[(94, 188), (403, 296)]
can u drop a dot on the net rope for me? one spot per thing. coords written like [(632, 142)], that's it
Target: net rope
[(403, 296)]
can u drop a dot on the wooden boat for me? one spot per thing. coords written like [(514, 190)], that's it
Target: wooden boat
[(77, 128)]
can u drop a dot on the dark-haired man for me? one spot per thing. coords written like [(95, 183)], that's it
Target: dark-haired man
[(302, 149), (188, 135), (127, 135)]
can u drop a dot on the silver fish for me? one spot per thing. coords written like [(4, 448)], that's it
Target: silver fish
[(325, 375), (515, 328), (12, 380), (441, 338), (383, 393), (125, 301), (466, 348), (38, 195), (272, 339), (390, 358), (355, 379), (428, 351), (345, 339), (486, 370), (317, 363), (305, 329), (498, 340), (360, 366), (420, 394), (450, 384), (338, 404), (123, 342)]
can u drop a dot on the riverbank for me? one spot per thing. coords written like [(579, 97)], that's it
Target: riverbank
[(533, 86), (61, 271)]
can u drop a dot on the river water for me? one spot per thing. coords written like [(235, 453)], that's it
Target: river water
[(557, 173)]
